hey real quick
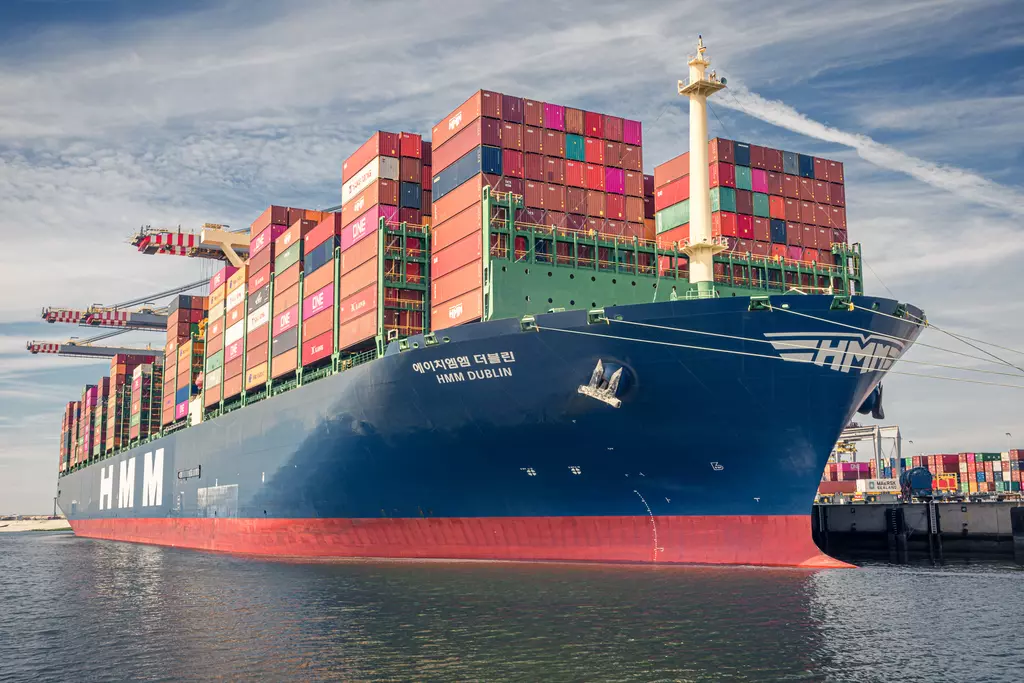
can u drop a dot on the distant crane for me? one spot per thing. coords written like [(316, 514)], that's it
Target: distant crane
[(212, 241), (146, 317), (85, 348)]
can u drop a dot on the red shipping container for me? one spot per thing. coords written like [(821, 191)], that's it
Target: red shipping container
[(483, 131), (575, 121), (806, 189), (575, 200), (673, 193), (410, 145), (675, 235), (593, 150), (410, 216), (329, 227), (512, 163), (671, 170), (359, 304), (775, 183), (380, 144), (426, 178), (554, 197), (533, 140), (759, 248), (534, 164), (381, 191), (777, 207), (575, 173), (757, 157), (837, 218), (462, 309), (481, 103), (596, 205), (511, 135), (594, 124), (533, 113), (794, 233), (615, 206), (635, 210), (554, 143), (554, 170), (456, 283), (820, 192), (823, 215), (273, 215), (837, 194), (613, 154), (773, 159), (613, 128), (778, 251), (820, 169), (806, 212), (467, 222), (635, 184), (745, 228), (790, 186), (762, 229), (632, 158), (318, 348), (533, 195), (410, 170), (723, 223), (808, 235), (721, 175), (835, 172), (720, 150), (595, 178)]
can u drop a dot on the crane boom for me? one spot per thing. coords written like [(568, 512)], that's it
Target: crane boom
[(79, 350), (144, 318), (213, 241)]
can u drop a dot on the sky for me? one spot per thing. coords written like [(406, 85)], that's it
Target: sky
[(117, 114)]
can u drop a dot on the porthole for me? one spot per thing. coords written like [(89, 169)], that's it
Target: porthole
[(634, 283), (593, 278), (527, 271), (550, 300), (614, 281), (572, 276), (549, 273), (504, 269), (527, 297)]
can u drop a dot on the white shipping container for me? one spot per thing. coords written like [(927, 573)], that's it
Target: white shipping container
[(878, 485), (212, 378), (379, 167), (234, 298), (259, 317), (234, 333), (217, 312)]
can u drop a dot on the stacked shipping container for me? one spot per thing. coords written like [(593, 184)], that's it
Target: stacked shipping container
[(765, 202), (99, 410), (147, 386), (119, 399), (86, 424), (67, 435), (964, 472), (213, 369), (288, 264), (318, 279), (383, 180), (576, 170), (183, 354), (234, 333)]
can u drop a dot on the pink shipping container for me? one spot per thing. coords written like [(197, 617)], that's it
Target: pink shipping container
[(632, 133), (554, 116), (181, 410), (366, 224), (759, 180), (794, 253), (265, 238), (232, 351), (615, 180), (410, 145), (320, 300)]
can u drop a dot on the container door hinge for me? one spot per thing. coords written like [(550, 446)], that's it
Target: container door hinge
[(760, 303)]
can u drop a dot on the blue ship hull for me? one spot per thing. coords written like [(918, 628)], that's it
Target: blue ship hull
[(701, 437)]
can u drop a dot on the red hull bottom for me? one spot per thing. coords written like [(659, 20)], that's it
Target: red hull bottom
[(775, 541)]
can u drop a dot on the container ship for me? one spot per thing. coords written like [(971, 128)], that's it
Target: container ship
[(507, 343)]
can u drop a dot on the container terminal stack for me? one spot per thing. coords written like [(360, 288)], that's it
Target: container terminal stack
[(457, 361)]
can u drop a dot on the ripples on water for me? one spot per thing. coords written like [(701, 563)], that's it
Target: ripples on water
[(80, 610)]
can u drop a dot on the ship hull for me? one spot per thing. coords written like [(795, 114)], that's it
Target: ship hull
[(497, 444)]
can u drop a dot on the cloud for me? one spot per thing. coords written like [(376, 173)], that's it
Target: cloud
[(964, 184)]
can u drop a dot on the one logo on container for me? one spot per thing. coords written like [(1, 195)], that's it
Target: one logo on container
[(359, 227), (841, 352)]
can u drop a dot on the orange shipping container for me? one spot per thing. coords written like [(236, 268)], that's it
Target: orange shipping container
[(358, 254), (465, 223), (319, 278), (284, 363), (359, 304), (671, 170), (360, 277), (256, 354), (457, 282), (287, 279), (286, 299), (462, 309), (466, 250), (318, 324), (255, 376), (362, 328), (382, 191), (459, 199), (480, 103)]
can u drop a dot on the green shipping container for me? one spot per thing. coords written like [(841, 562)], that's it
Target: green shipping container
[(723, 199), (215, 361), (761, 205), (136, 420), (574, 148), (672, 217), (742, 180), (289, 257)]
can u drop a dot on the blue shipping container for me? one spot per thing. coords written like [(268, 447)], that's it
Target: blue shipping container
[(411, 196), (741, 153), (806, 166), (181, 395), (483, 159), (574, 147), (320, 255), (778, 231)]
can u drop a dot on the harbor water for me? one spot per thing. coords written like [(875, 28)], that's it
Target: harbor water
[(84, 610)]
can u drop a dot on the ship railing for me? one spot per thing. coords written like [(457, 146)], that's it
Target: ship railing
[(403, 302)]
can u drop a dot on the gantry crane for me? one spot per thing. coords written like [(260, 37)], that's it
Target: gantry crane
[(213, 241), (147, 317), (85, 348)]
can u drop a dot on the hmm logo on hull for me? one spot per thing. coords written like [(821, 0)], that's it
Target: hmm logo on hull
[(849, 352), (152, 482)]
